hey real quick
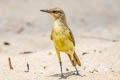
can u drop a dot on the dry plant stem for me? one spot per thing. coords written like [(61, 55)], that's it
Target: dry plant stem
[(10, 65)]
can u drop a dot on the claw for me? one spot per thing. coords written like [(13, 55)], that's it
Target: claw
[(62, 76), (77, 73)]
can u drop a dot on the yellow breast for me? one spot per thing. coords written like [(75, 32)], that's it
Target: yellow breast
[(60, 37)]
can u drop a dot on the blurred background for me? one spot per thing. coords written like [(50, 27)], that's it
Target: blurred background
[(96, 18)]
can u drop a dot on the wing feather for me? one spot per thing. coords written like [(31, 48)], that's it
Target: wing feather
[(70, 35)]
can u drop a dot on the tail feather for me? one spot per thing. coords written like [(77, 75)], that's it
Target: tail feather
[(76, 59)]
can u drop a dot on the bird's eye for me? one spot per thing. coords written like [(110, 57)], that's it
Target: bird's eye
[(54, 11)]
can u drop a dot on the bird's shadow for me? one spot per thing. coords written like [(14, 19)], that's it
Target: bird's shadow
[(66, 75)]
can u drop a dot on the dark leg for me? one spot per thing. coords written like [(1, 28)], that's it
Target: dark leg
[(77, 73), (59, 58), (61, 70)]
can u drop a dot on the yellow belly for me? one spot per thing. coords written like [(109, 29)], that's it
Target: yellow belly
[(60, 37), (62, 42)]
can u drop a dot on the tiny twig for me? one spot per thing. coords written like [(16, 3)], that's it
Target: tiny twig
[(84, 53), (28, 67), (6, 43), (93, 71), (26, 52), (10, 64)]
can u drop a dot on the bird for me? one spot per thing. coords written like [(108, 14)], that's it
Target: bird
[(62, 37)]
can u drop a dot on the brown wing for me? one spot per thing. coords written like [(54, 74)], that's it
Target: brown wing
[(70, 35)]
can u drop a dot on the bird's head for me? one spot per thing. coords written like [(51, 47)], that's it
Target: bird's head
[(55, 12)]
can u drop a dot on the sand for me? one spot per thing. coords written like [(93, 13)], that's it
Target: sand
[(100, 59)]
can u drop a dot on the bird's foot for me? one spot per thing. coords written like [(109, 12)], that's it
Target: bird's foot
[(62, 76), (77, 74)]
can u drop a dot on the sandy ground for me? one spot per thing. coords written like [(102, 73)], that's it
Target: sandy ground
[(94, 23), (100, 59)]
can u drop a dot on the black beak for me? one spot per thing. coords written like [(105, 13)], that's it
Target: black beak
[(45, 10)]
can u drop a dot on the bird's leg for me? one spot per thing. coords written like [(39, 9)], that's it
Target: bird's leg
[(77, 73), (61, 70), (74, 64), (59, 58)]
